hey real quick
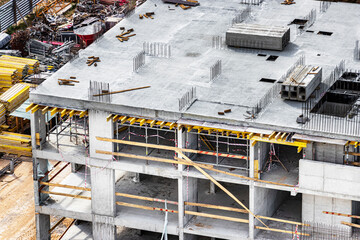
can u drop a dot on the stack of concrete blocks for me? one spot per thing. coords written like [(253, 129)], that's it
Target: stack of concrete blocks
[(301, 83), (258, 36)]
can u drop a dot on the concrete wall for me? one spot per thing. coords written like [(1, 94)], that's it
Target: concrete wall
[(328, 152), (313, 207), (267, 201), (103, 206), (329, 177)]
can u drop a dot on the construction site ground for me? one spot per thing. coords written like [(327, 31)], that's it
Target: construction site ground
[(17, 210)]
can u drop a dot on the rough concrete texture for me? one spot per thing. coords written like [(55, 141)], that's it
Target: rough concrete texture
[(192, 56), (313, 207), (329, 177)]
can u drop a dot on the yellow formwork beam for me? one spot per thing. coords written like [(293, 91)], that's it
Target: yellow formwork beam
[(30, 107), (63, 112), (123, 120), (115, 118), (109, 117), (53, 111), (298, 143), (45, 110), (142, 122), (356, 144), (71, 113), (82, 114), (35, 108)]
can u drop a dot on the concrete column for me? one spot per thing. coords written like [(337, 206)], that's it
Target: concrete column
[(212, 188), (75, 167), (252, 157), (187, 191), (103, 204), (42, 226)]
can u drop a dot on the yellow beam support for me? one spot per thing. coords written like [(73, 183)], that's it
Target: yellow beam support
[(115, 117), (299, 149), (142, 122), (162, 124), (30, 107), (17, 134), (123, 119), (190, 128), (22, 140), (253, 143), (272, 135), (44, 110), (63, 112), (109, 117), (132, 120), (71, 113), (251, 135), (82, 114), (34, 109), (152, 123), (53, 111), (172, 125), (301, 144), (283, 135)]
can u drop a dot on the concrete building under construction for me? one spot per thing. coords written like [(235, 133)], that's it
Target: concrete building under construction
[(228, 120)]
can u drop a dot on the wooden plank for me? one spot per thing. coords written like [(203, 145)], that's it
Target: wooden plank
[(180, 161), (170, 148), (186, 212), (121, 91), (66, 195), (72, 222), (282, 220), (220, 186), (282, 231), (341, 214), (56, 224), (353, 153), (65, 186), (232, 219), (350, 224)]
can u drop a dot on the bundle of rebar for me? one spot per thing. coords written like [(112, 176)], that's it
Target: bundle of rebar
[(15, 96), (33, 63)]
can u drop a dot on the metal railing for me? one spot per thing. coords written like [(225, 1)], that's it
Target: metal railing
[(14, 10)]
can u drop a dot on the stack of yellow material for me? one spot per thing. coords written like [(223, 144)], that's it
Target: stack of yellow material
[(15, 96), (2, 114), (8, 77), (22, 68), (33, 63)]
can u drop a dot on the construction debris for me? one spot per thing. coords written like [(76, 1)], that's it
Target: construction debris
[(147, 15), (124, 35), (91, 60), (288, 2), (191, 3), (67, 82)]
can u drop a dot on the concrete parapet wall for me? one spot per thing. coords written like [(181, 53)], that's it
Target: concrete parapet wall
[(329, 177)]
